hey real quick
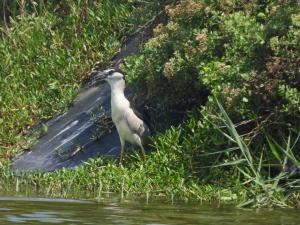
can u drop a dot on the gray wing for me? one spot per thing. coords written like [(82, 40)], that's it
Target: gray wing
[(138, 114), (137, 125)]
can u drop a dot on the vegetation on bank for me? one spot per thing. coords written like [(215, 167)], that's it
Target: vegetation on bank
[(246, 54), (46, 50), (229, 69)]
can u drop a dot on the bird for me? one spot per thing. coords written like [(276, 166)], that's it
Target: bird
[(129, 123)]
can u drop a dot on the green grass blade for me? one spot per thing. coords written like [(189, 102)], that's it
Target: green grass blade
[(273, 149), (220, 152), (231, 128), (242, 145), (231, 163)]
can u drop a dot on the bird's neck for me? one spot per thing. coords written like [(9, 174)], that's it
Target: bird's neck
[(118, 99), (117, 89)]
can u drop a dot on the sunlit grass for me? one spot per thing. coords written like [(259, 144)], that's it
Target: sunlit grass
[(173, 170), (263, 190), (164, 173), (46, 51)]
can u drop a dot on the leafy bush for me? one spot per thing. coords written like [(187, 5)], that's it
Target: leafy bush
[(247, 55)]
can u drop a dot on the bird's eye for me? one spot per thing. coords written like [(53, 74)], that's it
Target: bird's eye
[(111, 72)]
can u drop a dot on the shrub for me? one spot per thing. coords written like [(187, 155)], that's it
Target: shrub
[(245, 54)]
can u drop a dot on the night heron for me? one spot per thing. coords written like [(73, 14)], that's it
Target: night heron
[(130, 125)]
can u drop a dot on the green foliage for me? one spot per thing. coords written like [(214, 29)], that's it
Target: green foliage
[(172, 170), (46, 49), (165, 172), (227, 48), (246, 53), (263, 189)]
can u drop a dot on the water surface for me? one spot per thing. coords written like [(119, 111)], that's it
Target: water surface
[(60, 211)]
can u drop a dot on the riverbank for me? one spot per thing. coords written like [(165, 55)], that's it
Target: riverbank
[(169, 172), (163, 175), (225, 73)]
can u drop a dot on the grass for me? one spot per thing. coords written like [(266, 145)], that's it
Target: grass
[(170, 171), (164, 173), (263, 190), (48, 49)]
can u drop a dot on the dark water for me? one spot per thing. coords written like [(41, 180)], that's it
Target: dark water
[(58, 211)]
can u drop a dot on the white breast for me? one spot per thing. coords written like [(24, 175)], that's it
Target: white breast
[(119, 104), (125, 132)]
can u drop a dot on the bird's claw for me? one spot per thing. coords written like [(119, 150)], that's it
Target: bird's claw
[(121, 160)]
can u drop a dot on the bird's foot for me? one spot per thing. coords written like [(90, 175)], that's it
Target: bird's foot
[(143, 154), (121, 160)]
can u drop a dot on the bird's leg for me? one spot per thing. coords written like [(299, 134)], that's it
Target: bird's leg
[(139, 142), (143, 150), (122, 150)]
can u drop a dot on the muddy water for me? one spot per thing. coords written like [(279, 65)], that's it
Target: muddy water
[(60, 211)]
